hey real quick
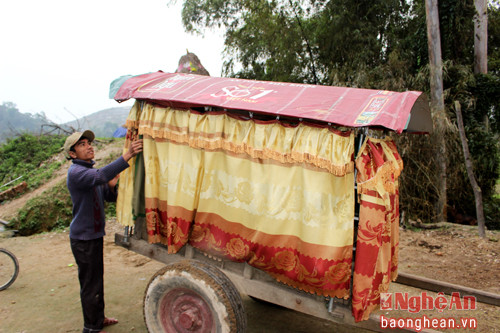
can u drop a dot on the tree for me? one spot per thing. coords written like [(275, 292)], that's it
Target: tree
[(494, 37), (481, 37), (324, 42), (380, 44), (470, 172), (437, 101)]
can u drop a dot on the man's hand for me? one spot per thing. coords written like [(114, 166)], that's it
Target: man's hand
[(112, 183), (134, 149)]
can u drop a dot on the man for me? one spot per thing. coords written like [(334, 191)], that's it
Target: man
[(89, 188)]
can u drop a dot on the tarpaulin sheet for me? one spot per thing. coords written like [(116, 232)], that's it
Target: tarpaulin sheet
[(351, 107)]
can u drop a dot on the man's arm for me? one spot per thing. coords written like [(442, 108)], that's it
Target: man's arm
[(112, 183), (89, 177)]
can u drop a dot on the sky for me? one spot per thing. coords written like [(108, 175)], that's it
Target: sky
[(59, 56)]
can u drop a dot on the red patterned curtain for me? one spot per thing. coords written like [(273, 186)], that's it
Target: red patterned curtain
[(379, 166)]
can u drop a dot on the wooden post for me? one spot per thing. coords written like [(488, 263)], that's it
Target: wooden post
[(470, 172), (437, 101)]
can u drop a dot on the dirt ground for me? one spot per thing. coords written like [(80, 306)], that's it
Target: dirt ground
[(454, 254), (45, 297)]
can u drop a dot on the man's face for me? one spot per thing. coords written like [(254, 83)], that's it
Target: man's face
[(83, 150)]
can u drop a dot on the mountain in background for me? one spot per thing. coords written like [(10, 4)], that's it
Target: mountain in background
[(14, 123), (103, 123)]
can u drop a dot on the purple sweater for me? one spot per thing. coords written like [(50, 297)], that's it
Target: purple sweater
[(89, 189)]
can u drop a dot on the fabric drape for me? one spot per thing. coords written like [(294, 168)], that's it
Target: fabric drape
[(379, 166), (277, 196), (128, 178)]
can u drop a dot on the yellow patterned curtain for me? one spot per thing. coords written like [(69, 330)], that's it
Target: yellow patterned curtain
[(279, 197), (124, 212), (379, 166)]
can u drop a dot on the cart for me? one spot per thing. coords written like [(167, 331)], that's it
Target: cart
[(199, 291)]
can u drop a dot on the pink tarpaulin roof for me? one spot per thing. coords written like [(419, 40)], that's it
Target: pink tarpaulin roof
[(343, 106)]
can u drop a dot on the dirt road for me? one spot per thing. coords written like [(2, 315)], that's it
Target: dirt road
[(45, 297)]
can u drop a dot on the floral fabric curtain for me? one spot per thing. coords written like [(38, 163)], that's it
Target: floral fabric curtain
[(276, 196), (379, 166)]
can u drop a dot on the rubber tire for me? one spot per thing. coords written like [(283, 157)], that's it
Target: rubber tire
[(212, 295), (16, 268)]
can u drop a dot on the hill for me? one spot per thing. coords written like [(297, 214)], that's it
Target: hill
[(103, 123), (14, 123), (46, 204)]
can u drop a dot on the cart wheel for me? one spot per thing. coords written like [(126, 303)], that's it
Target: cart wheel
[(192, 296)]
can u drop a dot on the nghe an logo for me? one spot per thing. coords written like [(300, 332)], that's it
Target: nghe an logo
[(414, 304)]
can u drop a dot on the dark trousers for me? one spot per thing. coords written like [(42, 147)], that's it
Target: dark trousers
[(89, 258)]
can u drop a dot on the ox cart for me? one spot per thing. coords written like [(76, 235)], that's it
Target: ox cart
[(251, 187)]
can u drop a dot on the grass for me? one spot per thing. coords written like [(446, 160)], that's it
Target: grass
[(34, 158), (52, 210)]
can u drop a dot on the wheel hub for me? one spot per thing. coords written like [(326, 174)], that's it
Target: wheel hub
[(184, 311), (190, 319)]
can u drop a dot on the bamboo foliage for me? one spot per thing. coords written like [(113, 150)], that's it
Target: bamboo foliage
[(381, 44)]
